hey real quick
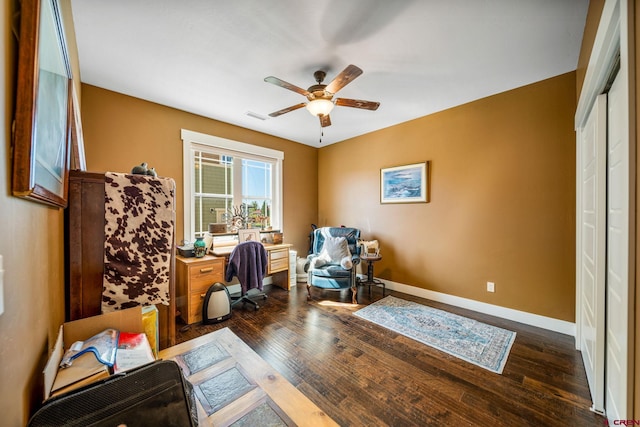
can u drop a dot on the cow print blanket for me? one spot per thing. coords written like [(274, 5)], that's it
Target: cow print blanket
[(139, 227)]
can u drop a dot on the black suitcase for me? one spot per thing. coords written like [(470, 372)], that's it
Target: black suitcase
[(156, 394)]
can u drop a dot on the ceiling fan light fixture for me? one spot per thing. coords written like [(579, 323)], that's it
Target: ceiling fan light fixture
[(319, 97), (320, 107)]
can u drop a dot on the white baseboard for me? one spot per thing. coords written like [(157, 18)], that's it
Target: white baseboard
[(556, 325)]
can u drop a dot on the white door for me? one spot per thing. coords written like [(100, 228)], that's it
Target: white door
[(591, 164), (617, 377)]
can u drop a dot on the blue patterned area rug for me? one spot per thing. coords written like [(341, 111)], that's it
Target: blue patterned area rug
[(478, 343)]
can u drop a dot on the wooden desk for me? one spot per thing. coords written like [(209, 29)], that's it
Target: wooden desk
[(232, 382), (277, 265)]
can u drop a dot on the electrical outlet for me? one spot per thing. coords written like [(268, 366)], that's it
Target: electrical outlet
[(491, 287)]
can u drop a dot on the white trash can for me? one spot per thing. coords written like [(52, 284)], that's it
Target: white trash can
[(301, 275)]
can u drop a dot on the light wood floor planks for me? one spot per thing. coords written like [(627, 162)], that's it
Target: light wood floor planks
[(361, 374)]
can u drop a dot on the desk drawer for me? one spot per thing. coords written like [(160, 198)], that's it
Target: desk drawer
[(204, 275), (278, 260)]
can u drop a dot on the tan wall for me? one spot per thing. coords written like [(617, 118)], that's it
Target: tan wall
[(121, 131), (502, 199), (32, 249)]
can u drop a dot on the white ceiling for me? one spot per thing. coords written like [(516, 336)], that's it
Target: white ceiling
[(210, 57)]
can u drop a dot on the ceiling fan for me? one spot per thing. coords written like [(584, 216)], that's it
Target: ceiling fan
[(320, 96)]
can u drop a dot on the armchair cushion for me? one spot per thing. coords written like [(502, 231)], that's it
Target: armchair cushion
[(332, 270), (334, 250)]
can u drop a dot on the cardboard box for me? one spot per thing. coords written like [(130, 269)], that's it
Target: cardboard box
[(84, 370)]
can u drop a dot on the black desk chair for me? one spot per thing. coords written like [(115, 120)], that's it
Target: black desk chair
[(248, 262)]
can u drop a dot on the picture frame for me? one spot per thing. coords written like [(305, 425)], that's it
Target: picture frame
[(44, 106), (247, 234), (405, 184)]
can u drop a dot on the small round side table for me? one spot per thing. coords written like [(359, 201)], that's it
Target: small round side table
[(370, 280)]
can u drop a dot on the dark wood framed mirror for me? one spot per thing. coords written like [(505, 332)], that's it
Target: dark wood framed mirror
[(42, 137)]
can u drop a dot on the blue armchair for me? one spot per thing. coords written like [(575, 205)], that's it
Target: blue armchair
[(330, 265)]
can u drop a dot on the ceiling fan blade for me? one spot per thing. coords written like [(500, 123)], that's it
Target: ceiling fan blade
[(286, 110), (344, 78), (276, 81), (357, 103), (325, 120)]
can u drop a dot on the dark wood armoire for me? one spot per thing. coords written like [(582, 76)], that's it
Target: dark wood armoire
[(84, 254)]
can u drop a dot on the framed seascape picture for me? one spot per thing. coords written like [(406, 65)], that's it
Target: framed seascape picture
[(42, 138), (405, 184)]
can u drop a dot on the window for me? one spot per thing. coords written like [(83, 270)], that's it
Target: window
[(222, 176)]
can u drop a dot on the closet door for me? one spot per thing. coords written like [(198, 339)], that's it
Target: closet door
[(617, 332), (591, 251)]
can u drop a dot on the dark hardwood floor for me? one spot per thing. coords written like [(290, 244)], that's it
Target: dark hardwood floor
[(361, 374)]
